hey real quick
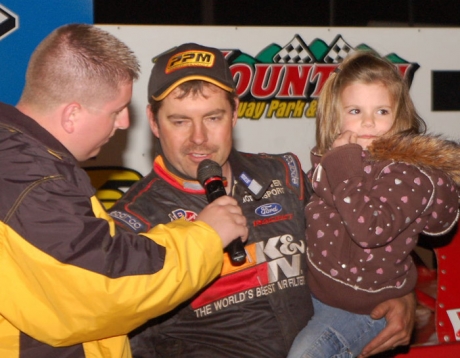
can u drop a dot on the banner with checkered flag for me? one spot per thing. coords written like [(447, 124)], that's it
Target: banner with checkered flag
[(338, 51), (296, 51)]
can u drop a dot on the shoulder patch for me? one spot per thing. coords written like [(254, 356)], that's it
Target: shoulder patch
[(129, 220), (294, 169)]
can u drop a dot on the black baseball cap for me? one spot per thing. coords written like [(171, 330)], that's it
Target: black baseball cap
[(188, 62)]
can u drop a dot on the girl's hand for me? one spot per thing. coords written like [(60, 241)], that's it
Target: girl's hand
[(346, 137)]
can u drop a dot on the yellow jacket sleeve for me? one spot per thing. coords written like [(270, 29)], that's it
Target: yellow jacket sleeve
[(63, 304)]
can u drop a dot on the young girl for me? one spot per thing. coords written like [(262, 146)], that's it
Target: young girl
[(378, 183)]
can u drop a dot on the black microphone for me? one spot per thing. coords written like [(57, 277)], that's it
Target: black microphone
[(210, 176)]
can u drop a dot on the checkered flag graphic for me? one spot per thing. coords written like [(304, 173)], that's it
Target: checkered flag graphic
[(338, 51), (295, 51)]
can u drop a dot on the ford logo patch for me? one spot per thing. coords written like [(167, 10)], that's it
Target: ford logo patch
[(268, 209)]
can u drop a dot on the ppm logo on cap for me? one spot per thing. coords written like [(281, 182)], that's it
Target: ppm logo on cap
[(190, 59)]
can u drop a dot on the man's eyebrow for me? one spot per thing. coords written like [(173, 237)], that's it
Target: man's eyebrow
[(122, 107), (185, 116), (178, 116), (215, 112)]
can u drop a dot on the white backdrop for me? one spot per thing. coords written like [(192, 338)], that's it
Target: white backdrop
[(431, 49)]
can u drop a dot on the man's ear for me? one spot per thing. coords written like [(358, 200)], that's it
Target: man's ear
[(153, 123), (69, 116)]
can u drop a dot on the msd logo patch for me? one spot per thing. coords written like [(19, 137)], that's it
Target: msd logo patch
[(188, 215), (8, 22), (190, 59), (268, 209)]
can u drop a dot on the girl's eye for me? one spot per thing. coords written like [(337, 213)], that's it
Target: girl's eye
[(384, 111), (354, 111)]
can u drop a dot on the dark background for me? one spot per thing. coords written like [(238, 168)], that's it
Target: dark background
[(340, 13), (427, 13)]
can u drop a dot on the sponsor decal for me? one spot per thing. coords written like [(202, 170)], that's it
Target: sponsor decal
[(273, 219), (454, 316), (252, 184), (188, 215), (269, 209), (9, 22), (190, 59), (247, 199), (273, 192), (285, 81), (276, 188), (293, 169), (131, 221), (271, 267)]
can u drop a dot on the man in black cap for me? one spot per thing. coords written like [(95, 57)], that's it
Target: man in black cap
[(255, 309)]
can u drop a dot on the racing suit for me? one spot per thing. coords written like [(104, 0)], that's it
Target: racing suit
[(70, 282), (252, 310)]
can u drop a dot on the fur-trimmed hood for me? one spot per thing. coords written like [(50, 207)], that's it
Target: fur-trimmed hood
[(426, 151)]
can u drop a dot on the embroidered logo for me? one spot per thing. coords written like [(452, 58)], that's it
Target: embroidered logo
[(268, 209), (133, 222), (182, 213), (190, 59)]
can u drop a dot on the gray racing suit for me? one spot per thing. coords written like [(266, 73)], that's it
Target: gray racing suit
[(252, 310)]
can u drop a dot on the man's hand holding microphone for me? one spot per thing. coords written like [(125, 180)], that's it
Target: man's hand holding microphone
[(223, 213)]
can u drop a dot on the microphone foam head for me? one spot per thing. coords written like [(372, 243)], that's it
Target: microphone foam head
[(208, 169)]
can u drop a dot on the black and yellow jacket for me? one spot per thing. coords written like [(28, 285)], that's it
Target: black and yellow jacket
[(72, 285)]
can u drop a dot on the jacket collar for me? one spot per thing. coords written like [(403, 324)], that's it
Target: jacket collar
[(241, 167), (16, 120), (246, 173)]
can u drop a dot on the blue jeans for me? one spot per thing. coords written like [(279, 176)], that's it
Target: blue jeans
[(336, 333)]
